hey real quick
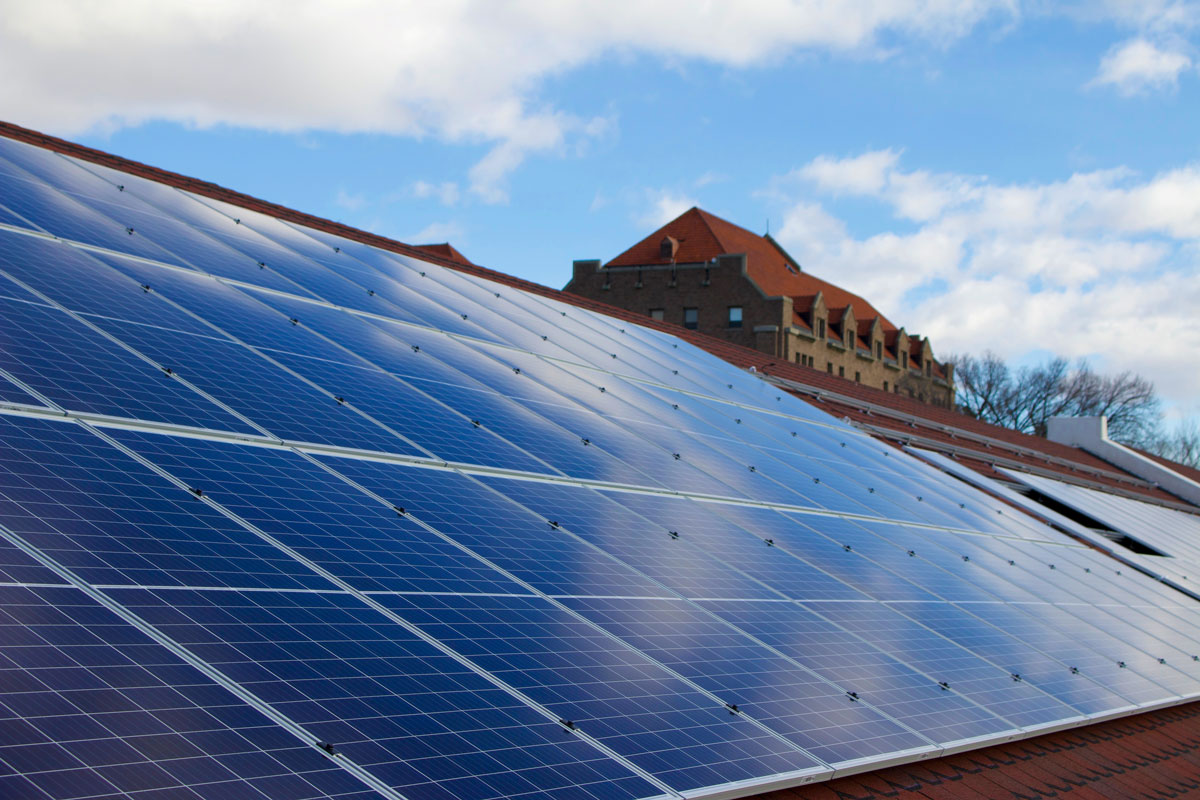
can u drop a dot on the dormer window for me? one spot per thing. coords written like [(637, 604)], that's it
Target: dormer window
[(668, 247)]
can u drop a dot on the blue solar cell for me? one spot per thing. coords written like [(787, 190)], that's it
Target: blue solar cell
[(654, 549), (9, 218), (779, 455), (113, 521), (859, 667), (238, 314), (497, 529), (411, 353), (16, 566), (273, 398), (648, 457), (85, 283), (907, 552), (1084, 650), (438, 429), (1130, 640), (93, 708), (958, 669), (186, 243), (590, 338), (808, 710), (356, 538), (81, 370), (736, 549), (976, 629), (67, 218), (11, 393), (413, 716), (609, 691), (818, 541)]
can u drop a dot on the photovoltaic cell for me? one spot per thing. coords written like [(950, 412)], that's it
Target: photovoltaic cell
[(1023, 662), (812, 712), (955, 668), (493, 527), (113, 521), (859, 667), (356, 538), (85, 283), (606, 689), (673, 560), (82, 370), (430, 425), (817, 541), (414, 717), (93, 708), (275, 399), (66, 218)]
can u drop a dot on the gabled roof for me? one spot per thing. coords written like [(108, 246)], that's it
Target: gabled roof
[(445, 250), (703, 236)]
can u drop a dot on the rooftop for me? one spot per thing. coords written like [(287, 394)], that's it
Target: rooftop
[(1152, 753)]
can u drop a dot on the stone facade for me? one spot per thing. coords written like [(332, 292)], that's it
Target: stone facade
[(718, 295)]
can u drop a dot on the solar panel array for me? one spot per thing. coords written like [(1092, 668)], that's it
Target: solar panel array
[(286, 515), (1164, 540)]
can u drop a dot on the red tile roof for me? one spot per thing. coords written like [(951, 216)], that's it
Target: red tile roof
[(703, 236), (445, 250), (1151, 755)]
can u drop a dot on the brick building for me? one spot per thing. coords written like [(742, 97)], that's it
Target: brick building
[(704, 273)]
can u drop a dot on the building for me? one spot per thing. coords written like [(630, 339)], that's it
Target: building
[(707, 274), (292, 510)]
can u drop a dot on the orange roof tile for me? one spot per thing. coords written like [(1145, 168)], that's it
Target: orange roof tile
[(445, 250), (703, 236)]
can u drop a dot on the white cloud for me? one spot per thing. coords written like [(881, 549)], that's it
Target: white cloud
[(1138, 66), (437, 233), (663, 205), (446, 193), (462, 71), (348, 201), (1102, 264)]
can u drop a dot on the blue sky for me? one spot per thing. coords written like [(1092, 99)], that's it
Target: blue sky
[(1024, 177)]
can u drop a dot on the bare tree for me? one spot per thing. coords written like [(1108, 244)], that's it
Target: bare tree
[(1181, 445), (1023, 399)]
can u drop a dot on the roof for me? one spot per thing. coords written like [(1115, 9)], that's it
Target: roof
[(1150, 754), (446, 251), (703, 236)]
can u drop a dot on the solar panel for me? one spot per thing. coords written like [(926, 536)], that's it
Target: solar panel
[(286, 514)]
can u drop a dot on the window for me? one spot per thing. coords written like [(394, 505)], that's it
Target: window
[(903, 359), (656, 313), (879, 350), (691, 317), (885, 386), (735, 316), (820, 329), (829, 367), (841, 372), (929, 368), (858, 377)]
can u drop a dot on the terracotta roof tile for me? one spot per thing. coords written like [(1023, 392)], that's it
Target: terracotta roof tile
[(703, 236), (1155, 754), (445, 250)]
